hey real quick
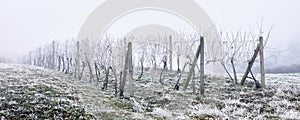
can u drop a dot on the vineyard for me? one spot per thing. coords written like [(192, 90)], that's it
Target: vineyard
[(153, 77), (96, 60)]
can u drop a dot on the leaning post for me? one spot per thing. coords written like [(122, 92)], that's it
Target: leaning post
[(192, 67)]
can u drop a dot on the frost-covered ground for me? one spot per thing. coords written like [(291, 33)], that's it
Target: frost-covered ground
[(33, 93), (223, 100)]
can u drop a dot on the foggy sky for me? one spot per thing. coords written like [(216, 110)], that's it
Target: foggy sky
[(25, 25)]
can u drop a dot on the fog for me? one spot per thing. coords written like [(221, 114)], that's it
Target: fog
[(25, 25)]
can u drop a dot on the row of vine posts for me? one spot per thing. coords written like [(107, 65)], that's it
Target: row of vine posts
[(72, 59)]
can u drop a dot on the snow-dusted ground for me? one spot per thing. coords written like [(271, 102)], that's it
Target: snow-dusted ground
[(28, 92), (223, 100)]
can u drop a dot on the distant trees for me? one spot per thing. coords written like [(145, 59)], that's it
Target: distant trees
[(294, 68), (4, 60)]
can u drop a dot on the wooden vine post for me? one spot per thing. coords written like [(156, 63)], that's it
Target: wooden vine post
[(30, 61), (53, 56), (125, 72), (194, 63), (171, 52), (40, 57), (258, 50), (202, 66), (77, 60), (262, 62), (130, 69)]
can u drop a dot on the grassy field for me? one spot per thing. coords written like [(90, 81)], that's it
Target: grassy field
[(35, 93)]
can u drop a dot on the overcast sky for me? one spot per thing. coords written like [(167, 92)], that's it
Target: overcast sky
[(27, 24)]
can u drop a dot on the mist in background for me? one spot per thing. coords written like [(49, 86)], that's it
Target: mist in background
[(26, 25)]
